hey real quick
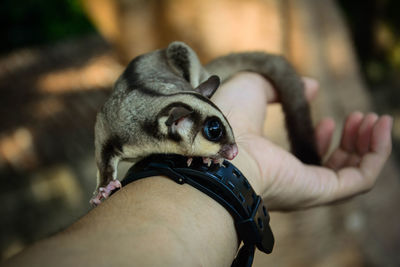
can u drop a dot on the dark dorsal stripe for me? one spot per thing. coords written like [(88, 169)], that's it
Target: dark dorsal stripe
[(179, 57), (134, 82), (131, 75)]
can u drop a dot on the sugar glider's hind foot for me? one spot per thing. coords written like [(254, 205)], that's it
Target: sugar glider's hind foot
[(104, 192)]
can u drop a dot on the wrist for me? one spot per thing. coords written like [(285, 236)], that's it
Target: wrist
[(227, 186)]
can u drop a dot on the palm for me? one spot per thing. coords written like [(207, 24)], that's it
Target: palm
[(280, 177)]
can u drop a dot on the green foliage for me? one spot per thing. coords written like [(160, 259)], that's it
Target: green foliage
[(375, 27), (32, 22)]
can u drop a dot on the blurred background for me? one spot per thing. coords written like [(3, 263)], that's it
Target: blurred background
[(59, 59)]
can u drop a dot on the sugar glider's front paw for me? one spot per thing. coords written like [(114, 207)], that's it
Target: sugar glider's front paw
[(207, 161), (104, 192)]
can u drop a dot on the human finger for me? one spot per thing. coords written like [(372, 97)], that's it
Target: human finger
[(352, 181), (323, 134), (365, 133), (380, 149), (311, 88), (350, 131), (337, 159), (381, 140), (362, 140), (342, 156)]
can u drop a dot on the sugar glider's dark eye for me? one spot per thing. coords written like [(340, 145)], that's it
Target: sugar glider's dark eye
[(213, 129)]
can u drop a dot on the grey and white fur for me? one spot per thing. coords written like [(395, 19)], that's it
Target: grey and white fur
[(160, 104)]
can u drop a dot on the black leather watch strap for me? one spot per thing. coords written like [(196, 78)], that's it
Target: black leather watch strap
[(225, 184)]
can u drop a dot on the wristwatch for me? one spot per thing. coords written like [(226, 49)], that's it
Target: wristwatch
[(225, 184)]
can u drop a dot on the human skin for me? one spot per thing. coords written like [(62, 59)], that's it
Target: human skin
[(156, 222)]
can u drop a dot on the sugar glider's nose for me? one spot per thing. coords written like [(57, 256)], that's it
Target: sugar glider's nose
[(229, 151)]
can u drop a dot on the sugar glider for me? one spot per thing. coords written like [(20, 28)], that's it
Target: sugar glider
[(161, 104)]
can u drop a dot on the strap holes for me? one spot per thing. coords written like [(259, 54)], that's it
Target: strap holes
[(241, 197), (246, 184)]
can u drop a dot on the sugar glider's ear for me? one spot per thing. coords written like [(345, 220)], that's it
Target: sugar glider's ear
[(179, 124), (176, 114), (184, 62), (208, 88)]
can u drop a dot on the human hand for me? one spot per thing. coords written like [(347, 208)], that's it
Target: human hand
[(280, 178)]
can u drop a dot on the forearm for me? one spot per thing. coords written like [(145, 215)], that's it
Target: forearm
[(153, 222)]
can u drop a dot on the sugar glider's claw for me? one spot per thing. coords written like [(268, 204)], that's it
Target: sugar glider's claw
[(218, 161), (104, 192), (114, 184), (189, 161), (207, 161), (95, 201)]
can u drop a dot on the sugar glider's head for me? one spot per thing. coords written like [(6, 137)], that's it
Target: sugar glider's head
[(195, 126)]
